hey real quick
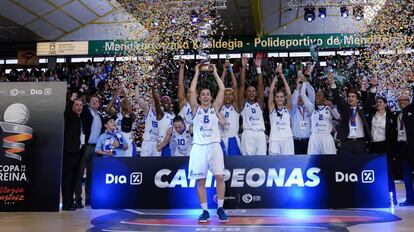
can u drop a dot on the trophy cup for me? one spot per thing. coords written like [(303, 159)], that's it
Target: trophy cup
[(203, 32)]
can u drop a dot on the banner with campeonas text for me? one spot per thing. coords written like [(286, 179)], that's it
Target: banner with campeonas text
[(251, 182), (31, 136)]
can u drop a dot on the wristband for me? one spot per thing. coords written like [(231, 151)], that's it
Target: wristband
[(258, 70)]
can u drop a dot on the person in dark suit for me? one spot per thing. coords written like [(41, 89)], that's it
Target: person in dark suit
[(71, 151), (92, 129), (405, 141), (353, 130), (382, 126)]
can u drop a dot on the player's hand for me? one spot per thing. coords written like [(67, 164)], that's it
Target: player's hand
[(115, 143), (244, 60), (197, 68), (74, 96), (258, 60), (279, 69), (328, 103)]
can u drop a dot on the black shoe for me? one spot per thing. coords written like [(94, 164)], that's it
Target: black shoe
[(407, 203), (68, 208), (78, 205), (87, 202)]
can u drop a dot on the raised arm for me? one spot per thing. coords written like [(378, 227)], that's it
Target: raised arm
[(289, 93), (224, 73), (158, 111), (141, 102), (270, 101), (235, 88), (181, 93), (260, 86), (193, 90), (339, 101), (309, 105), (242, 80), (166, 140), (218, 103)]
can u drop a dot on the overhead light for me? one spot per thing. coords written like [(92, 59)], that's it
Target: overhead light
[(309, 14), (322, 12), (358, 13), (344, 12)]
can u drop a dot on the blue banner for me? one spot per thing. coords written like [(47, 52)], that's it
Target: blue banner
[(251, 182)]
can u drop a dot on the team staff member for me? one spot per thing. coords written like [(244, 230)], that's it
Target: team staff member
[(382, 126), (303, 99), (353, 129), (405, 141), (92, 128), (72, 155), (206, 153)]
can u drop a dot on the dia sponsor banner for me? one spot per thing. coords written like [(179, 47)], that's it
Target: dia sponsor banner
[(251, 182), (31, 136)]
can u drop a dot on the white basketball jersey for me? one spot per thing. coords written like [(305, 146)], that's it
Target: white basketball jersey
[(321, 120), (252, 117), (280, 128), (231, 122), (183, 140), (186, 114), (151, 130), (206, 127), (164, 124)]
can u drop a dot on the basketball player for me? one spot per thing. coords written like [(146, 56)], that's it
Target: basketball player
[(185, 108), (181, 135), (151, 131), (165, 122), (253, 140), (281, 138), (231, 115), (321, 140), (206, 153)]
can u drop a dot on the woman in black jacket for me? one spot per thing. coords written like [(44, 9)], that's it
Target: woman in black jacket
[(381, 125)]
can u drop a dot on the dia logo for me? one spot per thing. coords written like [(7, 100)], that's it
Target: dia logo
[(135, 178)]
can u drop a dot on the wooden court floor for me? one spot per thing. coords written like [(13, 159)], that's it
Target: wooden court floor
[(88, 219)]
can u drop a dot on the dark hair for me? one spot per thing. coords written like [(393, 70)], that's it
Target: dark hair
[(178, 119), (382, 98), (354, 92)]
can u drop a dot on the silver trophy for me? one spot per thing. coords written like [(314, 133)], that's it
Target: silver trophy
[(203, 31)]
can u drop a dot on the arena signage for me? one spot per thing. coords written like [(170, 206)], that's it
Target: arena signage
[(233, 44), (251, 182), (30, 151)]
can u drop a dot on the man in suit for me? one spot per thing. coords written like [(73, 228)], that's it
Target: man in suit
[(92, 128), (71, 151), (353, 129), (405, 141)]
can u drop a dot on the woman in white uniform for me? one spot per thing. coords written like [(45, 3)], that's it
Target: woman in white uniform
[(281, 138), (206, 153)]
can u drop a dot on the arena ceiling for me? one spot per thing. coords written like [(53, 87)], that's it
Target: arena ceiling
[(40, 20)]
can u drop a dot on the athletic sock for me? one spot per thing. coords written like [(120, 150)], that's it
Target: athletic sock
[(220, 203), (204, 206)]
